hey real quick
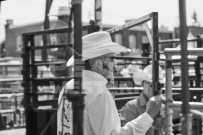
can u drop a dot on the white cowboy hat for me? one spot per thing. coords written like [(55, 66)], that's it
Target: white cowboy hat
[(62, 11), (146, 75), (97, 44)]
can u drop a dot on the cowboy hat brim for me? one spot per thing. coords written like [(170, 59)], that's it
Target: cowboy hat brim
[(105, 49), (96, 52), (140, 76)]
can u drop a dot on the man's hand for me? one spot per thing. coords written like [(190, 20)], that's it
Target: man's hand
[(159, 123), (154, 106)]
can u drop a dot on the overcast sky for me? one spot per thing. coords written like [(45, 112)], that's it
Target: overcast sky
[(114, 11)]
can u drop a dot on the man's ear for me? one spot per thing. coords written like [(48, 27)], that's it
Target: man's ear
[(143, 83)]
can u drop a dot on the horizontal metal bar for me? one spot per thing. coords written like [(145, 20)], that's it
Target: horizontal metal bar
[(44, 109), (11, 79), (126, 98), (51, 31), (124, 79), (44, 63), (41, 94), (49, 46), (129, 63), (47, 102), (126, 89), (141, 88), (4, 64), (133, 58), (130, 24), (193, 105), (175, 41), (52, 79), (47, 31), (191, 51), (191, 89)]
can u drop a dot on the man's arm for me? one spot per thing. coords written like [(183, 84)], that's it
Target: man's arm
[(129, 111), (104, 118)]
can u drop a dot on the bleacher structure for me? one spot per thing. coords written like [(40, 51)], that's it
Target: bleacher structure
[(11, 108)]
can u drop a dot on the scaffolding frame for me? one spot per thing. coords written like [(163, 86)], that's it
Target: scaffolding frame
[(168, 113)]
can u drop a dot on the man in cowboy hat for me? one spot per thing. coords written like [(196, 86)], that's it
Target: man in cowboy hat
[(136, 107), (60, 38), (100, 112)]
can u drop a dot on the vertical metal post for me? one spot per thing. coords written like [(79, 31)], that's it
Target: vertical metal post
[(198, 123), (26, 85), (186, 121), (33, 71), (168, 92), (155, 58), (78, 102), (155, 53), (197, 64), (98, 12), (0, 27), (46, 26)]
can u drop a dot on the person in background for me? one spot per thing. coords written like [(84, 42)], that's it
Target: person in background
[(61, 38), (134, 108), (137, 106), (100, 112)]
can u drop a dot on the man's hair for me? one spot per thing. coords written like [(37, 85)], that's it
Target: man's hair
[(160, 84), (88, 65)]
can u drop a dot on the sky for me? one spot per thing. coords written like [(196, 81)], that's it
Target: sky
[(25, 12)]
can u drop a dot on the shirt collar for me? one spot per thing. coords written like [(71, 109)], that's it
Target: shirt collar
[(90, 76), (142, 100)]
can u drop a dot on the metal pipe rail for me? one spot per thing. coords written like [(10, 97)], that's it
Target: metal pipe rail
[(191, 51), (132, 58), (50, 46), (155, 49), (169, 52), (193, 105), (47, 63), (51, 79), (130, 24), (42, 94), (136, 89), (51, 31), (175, 41)]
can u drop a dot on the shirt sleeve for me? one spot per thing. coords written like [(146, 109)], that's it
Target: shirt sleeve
[(104, 119), (138, 126), (129, 112)]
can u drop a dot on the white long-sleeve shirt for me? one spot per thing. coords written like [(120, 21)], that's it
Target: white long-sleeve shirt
[(100, 113)]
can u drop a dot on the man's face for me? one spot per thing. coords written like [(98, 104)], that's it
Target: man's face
[(147, 90), (104, 65), (64, 18), (109, 62), (108, 66)]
